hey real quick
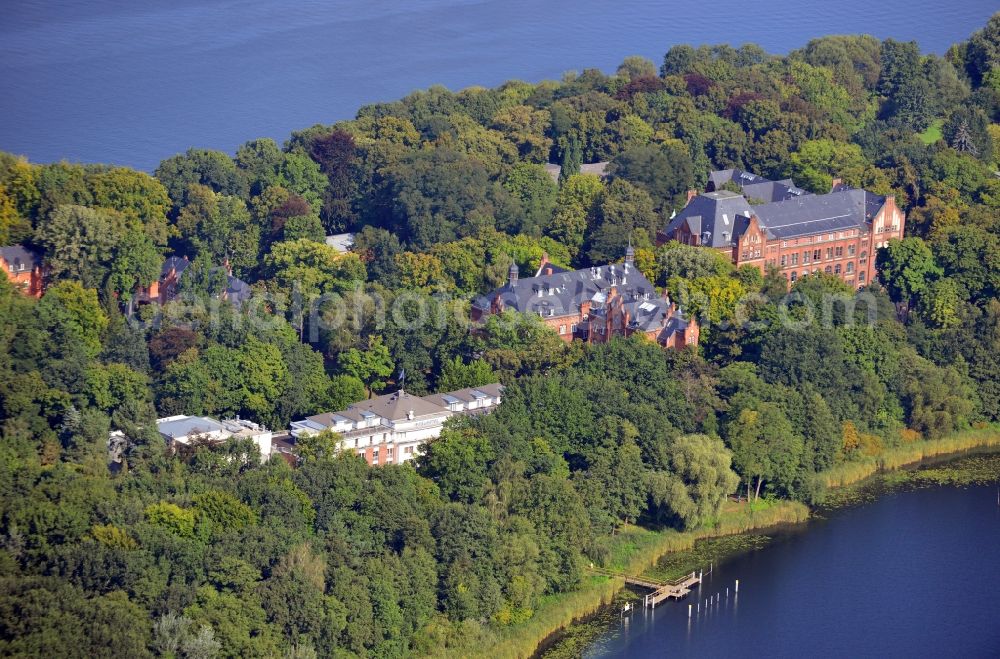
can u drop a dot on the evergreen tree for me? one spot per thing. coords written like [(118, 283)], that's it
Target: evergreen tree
[(572, 159)]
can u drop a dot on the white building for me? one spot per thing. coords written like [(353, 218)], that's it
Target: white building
[(342, 242), (183, 429), (390, 429)]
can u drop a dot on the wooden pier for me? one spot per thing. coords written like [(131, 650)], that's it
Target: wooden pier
[(662, 590)]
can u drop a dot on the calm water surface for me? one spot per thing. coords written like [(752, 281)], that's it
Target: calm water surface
[(915, 574), (132, 82)]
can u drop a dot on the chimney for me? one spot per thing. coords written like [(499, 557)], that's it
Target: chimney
[(512, 275), (497, 305), (691, 195), (542, 270)]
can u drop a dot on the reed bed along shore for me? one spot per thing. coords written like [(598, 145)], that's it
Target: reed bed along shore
[(635, 549), (906, 455)]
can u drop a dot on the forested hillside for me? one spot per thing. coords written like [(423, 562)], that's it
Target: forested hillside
[(213, 554)]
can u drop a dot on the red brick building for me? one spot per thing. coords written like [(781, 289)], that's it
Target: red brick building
[(593, 304), (167, 287), (801, 233), (23, 266)]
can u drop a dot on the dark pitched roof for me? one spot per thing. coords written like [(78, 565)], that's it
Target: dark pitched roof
[(712, 216), (237, 290), (562, 293), (17, 255), (676, 323), (550, 268), (174, 263), (394, 406), (466, 395), (811, 214), (755, 186), (647, 315), (720, 217)]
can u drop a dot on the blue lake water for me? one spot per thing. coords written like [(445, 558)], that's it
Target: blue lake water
[(131, 83), (914, 574)]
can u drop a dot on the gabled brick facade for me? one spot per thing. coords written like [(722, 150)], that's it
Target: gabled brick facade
[(23, 266), (838, 233), (592, 304)]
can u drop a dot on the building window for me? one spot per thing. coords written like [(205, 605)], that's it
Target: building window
[(562, 329), (828, 270), (840, 252), (795, 275), (861, 277), (836, 269), (783, 260), (850, 267), (864, 258), (817, 254), (850, 250), (572, 328), (805, 257), (829, 253), (795, 258), (784, 243)]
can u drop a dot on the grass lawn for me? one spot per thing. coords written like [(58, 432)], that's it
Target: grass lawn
[(933, 132)]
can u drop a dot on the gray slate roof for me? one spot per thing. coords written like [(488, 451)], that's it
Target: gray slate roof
[(811, 214), (562, 293), (713, 216), (237, 290), (755, 186), (720, 217), (174, 263), (19, 254), (466, 395)]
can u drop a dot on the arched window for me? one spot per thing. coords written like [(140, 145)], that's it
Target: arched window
[(827, 270), (836, 269), (850, 267), (795, 276)]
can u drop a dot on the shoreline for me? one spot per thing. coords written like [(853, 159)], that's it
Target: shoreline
[(636, 549)]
